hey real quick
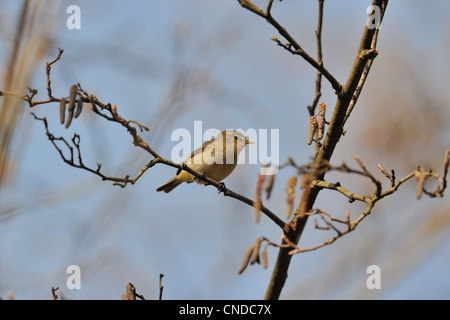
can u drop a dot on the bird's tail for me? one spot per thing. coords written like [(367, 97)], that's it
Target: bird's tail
[(169, 185)]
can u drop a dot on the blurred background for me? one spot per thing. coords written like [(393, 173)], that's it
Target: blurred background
[(167, 64)]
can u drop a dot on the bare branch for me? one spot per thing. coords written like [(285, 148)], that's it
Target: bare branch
[(48, 68), (161, 287), (54, 295), (318, 92), (292, 46)]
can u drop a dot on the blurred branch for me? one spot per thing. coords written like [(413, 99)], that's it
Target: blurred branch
[(33, 33)]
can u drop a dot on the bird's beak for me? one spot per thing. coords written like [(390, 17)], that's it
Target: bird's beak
[(248, 142)]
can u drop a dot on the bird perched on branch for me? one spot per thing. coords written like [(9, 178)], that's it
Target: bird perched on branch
[(216, 159)]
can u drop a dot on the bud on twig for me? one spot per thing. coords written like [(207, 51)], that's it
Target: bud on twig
[(383, 170), (420, 176), (347, 217), (358, 160), (114, 109)]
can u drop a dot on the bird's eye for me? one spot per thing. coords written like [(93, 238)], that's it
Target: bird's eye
[(235, 138)]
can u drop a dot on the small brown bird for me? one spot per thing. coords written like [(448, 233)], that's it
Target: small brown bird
[(216, 159)]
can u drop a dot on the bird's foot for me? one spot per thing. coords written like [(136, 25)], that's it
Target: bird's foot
[(221, 188)]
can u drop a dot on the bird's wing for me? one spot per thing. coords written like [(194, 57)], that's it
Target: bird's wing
[(198, 152)]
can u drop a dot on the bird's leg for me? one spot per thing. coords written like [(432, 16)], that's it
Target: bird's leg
[(221, 187)]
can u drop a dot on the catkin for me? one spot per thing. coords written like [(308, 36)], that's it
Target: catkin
[(269, 185), (264, 259), (258, 203), (291, 195), (69, 118), (71, 106), (304, 180), (62, 110), (255, 252), (72, 96), (312, 129), (321, 122), (246, 260), (79, 107)]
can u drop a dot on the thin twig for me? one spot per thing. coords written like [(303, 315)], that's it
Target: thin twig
[(318, 92), (48, 68), (161, 287), (54, 295), (293, 47)]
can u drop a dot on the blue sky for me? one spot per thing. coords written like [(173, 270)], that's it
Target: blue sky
[(233, 76)]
